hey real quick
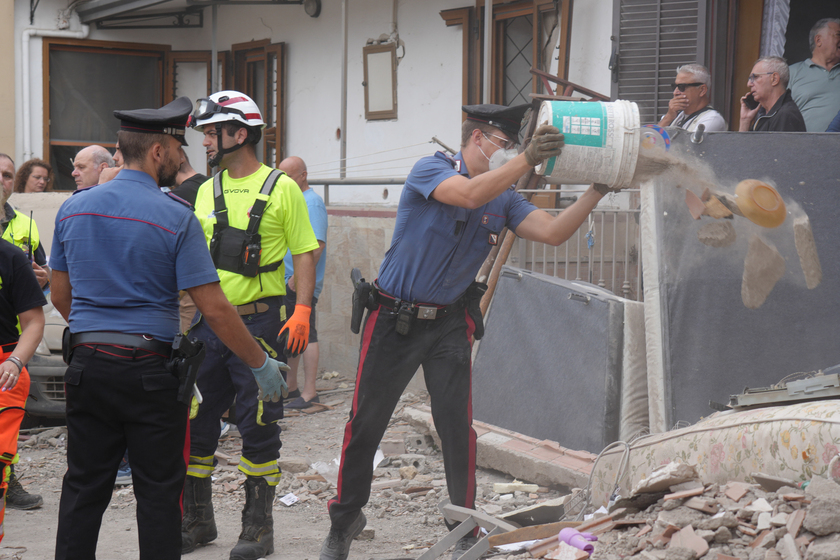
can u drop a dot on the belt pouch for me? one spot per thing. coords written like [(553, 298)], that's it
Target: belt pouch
[(66, 350), (474, 294)]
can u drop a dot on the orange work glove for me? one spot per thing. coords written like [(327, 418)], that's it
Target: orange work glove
[(294, 336)]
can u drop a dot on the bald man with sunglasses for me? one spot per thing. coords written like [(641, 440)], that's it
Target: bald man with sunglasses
[(690, 107)]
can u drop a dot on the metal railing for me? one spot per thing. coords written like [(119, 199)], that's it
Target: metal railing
[(354, 181), (606, 251)]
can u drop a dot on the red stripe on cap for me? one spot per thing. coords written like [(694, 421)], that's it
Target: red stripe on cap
[(253, 116), (491, 122)]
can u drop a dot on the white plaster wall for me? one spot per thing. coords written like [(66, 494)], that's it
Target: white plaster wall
[(428, 81), (589, 56), (428, 78)]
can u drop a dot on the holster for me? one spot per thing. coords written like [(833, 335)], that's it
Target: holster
[(361, 299), (66, 350), (473, 301), (186, 358)]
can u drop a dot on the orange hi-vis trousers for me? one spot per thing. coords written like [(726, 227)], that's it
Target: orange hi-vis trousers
[(11, 414)]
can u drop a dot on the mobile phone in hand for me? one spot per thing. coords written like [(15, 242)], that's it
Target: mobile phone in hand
[(750, 101)]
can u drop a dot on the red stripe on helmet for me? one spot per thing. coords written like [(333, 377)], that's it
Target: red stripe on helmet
[(232, 100)]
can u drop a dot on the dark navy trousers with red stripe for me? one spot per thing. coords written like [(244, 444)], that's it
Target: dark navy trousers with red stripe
[(116, 403), (387, 362)]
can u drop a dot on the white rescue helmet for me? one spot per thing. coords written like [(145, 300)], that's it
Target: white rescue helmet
[(225, 106)]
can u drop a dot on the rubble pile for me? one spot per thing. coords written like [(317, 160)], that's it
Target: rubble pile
[(690, 521)]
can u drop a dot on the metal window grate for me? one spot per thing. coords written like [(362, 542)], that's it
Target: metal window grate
[(53, 388)]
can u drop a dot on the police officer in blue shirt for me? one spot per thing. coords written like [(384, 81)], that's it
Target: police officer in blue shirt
[(120, 254), (450, 215)]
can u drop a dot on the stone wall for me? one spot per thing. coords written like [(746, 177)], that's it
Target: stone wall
[(355, 238)]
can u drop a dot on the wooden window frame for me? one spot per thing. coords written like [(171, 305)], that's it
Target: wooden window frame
[(95, 47), (176, 57), (471, 20), (240, 53), (375, 49)]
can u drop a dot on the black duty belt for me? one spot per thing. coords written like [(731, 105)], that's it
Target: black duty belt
[(422, 311), (139, 341)]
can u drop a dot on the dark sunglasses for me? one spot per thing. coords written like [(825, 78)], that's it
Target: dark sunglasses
[(682, 87)]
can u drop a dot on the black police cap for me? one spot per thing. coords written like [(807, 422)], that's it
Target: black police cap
[(506, 119), (170, 119)]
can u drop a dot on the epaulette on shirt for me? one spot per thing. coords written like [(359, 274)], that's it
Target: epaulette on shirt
[(179, 199), (456, 164)]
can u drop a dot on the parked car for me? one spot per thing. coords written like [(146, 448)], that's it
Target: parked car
[(46, 370)]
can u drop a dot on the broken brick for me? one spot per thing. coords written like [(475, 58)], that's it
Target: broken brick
[(686, 538)]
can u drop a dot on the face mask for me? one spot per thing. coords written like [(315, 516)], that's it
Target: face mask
[(501, 157)]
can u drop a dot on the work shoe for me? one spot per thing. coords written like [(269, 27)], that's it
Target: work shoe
[(123, 474), (462, 546), (18, 498), (337, 545), (257, 537), (301, 403), (292, 395), (198, 525)]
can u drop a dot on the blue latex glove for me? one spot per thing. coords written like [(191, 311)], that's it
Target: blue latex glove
[(270, 381)]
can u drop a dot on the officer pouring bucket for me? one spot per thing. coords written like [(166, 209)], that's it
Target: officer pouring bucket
[(601, 142)]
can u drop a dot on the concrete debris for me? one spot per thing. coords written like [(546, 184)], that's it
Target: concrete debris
[(763, 267), (771, 483), (665, 477), (807, 249), (717, 234), (822, 517), (515, 486), (293, 465), (566, 552), (750, 524), (392, 447), (686, 538), (760, 505)]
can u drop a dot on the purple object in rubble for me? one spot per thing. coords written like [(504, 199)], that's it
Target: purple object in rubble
[(577, 539)]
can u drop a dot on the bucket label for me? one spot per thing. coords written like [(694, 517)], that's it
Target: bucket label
[(583, 123)]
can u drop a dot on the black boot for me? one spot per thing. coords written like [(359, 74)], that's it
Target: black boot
[(198, 525), (257, 537), (18, 498)]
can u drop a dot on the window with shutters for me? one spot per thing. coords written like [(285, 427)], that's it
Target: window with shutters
[(651, 38), (525, 35)]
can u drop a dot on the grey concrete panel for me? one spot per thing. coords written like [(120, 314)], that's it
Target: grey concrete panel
[(713, 345), (549, 366)]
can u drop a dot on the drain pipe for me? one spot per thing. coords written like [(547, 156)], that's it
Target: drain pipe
[(343, 124), (214, 52), (488, 34), (24, 61)]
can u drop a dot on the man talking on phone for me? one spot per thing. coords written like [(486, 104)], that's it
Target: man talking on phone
[(776, 110), (690, 107)]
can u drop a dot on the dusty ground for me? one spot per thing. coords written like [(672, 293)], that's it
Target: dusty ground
[(403, 523)]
